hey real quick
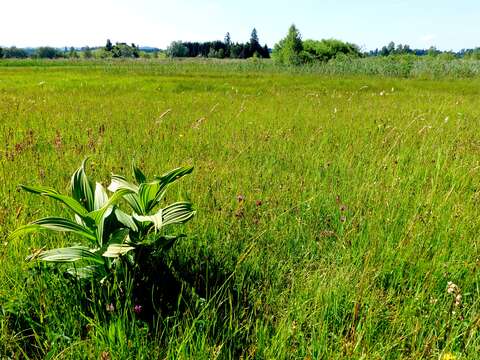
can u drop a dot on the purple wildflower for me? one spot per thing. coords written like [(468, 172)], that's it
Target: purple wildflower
[(138, 309)]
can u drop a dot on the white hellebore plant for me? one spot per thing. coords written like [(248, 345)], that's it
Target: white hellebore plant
[(109, 234)]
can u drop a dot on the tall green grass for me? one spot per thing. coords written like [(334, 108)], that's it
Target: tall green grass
[(399, 66), (333, 210)]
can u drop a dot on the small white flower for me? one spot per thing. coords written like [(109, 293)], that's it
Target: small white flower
[(452, 288)]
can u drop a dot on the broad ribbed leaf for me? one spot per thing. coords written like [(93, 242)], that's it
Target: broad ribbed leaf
[(156, 190), (101, 196), (139, 176), (116, 250), (118, 183), (119, 236), (79, 220), (134, 201), (99, 216), (177, 213), (156, 219), (68, 254), (126, 220), (70, 202), (175, 174), (113, 200), (88, 272), (147, 193), (54, 224), (39, 190), (82, 188)]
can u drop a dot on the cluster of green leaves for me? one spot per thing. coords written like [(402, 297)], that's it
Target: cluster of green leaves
[(122, 50), (293, 51), (327, 49), (288, 50), (112, 237)]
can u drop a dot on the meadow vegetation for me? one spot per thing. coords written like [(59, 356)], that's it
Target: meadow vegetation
[(337, 208)]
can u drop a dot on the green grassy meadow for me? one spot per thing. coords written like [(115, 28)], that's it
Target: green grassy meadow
[(332, 211)]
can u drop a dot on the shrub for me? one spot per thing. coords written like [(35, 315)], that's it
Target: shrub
[(326, 50), (14, 52), (293, 51), (177, 49), (47, 52)]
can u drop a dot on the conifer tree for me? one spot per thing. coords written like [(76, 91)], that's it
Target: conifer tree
[(288, 50), (108, 46)]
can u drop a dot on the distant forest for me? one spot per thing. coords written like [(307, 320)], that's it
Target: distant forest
[(290, 50), (220, 49)]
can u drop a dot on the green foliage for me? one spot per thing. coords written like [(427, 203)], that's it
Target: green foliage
[(447, 56), (220, 49), (87, 53), (72, 54), (47, 52), (254, 44), (289, 50), (216, 54), (119, 50), (177, 49), (14, 52), (228, 44), (432, 51), (325, 50), (109, 233), (293, 51), (122, 50), (108, 46), (102, 54), (473, 54)]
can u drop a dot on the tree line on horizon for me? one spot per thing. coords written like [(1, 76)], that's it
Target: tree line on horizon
[(220, 49), (119, 50), (290, 50)]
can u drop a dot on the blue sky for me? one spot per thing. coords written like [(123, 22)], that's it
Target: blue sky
[(446, 24)]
